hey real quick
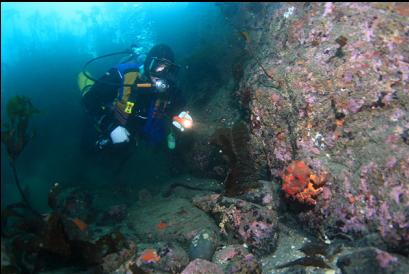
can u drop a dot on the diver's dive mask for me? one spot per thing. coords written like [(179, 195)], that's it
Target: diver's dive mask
[(160, 67)]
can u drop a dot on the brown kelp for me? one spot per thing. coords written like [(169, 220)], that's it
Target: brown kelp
[(233, 144), (16, 135), (56, 239)]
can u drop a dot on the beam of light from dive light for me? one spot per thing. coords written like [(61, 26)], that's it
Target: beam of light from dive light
[(187, 123)]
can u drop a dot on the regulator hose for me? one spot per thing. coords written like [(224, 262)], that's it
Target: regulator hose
[(84, 70)]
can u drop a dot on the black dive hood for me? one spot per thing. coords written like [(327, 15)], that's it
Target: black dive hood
[(155, 63)]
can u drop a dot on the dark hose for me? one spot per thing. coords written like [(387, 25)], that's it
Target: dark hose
[(84, 70)]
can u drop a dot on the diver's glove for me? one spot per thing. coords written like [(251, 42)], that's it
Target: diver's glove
[(183, 121), (119, 135)]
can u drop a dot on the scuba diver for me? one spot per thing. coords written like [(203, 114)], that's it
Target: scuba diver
[(135, 99)]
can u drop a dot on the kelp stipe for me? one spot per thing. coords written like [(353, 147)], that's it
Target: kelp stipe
[(16, 135)]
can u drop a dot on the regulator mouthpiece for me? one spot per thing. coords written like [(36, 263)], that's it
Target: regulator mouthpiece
[(161, 85)]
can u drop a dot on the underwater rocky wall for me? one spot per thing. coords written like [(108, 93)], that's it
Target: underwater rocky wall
[(327, 85)]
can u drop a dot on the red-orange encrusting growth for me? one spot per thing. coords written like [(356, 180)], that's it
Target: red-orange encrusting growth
[(300, 183), (161, 225), (80, 224), (150, 256)]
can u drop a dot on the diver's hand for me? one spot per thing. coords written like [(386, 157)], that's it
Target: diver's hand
[(102, 143), (119, 135)]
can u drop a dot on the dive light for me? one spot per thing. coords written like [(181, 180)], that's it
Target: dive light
[(183, 121)]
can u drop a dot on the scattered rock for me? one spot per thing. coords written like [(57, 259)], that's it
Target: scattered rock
[(236, 259), (199, 266), (113, 261), (167, 257), (372, 260), (203, 245), (264, 195), (250, 223)]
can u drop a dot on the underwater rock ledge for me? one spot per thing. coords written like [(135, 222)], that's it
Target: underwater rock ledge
[(336, 97)]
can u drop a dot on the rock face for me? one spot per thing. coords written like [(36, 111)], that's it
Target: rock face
[(328, 85), (254, 225), (372, 260)]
